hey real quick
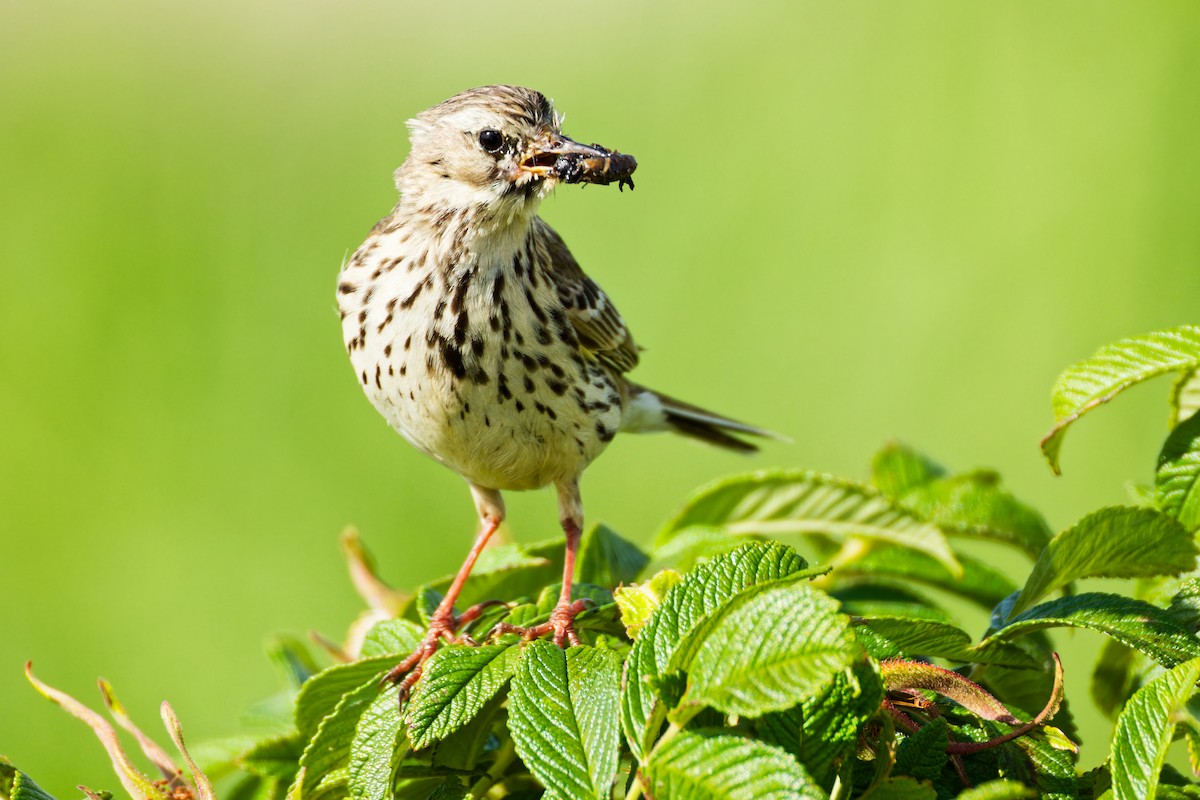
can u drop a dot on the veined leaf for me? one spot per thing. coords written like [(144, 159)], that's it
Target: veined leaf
[(329, 749), (978, 581), (915, 637), (1145, 729), (321, 693), (999, 790), (1185, 396), (16, 785), (685, 605), (457, 682), (767, 649), (639, 601), (1114, 368), (823, 728), (977, 506), (897, 468), (376, 747), (1138, 624), (712, 765), (922, 754), (276, 757), (563, 717), (1177, 480), (606, 559), (1115, 542), (394, 637), (796, 502), (904, 788)]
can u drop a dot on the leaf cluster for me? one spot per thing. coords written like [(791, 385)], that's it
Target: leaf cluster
[(789, 634)]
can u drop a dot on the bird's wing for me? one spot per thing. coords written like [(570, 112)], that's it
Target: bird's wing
[(601, 331)]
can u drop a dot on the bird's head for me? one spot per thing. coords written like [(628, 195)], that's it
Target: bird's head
[(499, 149)]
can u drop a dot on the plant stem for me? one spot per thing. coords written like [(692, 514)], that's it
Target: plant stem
[(504, 757)]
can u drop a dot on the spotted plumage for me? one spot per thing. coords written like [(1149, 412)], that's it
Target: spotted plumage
[(479, 338)]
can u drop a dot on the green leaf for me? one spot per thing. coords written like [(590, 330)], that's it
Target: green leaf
[(713, 765), (1145, 729), (767, 649), (900, 566), (975, 505), (904, 789), (922, 755), (320, 694), (1177, 480), (1115, 542), (897, 468), (329, 748), (999, 790), (457, 683), (685, 605), (694, 545), (819, 731), (917, 637), (276, 757), (1185, 396), (795, 502), (639, 601), (1111, 370), (392, 637), (606, 559), (377, 745), (563, 717), (17, 785), (1135, 623)]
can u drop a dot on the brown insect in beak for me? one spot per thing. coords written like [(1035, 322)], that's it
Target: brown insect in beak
[(572, 162)]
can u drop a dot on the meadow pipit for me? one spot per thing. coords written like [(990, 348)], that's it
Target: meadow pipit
[(475, 333)]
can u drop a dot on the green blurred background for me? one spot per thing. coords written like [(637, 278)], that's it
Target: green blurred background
[(853, 221)]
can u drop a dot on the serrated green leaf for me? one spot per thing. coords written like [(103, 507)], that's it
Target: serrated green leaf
[(694, 545), (922, 755), (975, 505), (695, 597), (1114, 368), (979, 582), (1145, 729), (321, 693), (639, 601), (1177, 479), (766, 649), (457, 683), (392, 637), (1185, 396), (1135, 623), (999, 790), (608, 560), (1114, 675), (563, 717), (17, 785), (713, 765), (914, 637), (1115, 542), (823, 728), (329, 749), (778, 503), (377, 745), (897, 468)]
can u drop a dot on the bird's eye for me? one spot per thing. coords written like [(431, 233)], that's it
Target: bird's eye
[(491, 140)]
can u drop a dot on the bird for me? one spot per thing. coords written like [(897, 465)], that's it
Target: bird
[(476, 334)]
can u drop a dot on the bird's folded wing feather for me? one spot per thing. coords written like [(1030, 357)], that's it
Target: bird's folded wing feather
[(601, 331)]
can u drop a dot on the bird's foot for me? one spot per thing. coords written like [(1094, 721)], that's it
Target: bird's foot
[(561, 624), (442, 626)]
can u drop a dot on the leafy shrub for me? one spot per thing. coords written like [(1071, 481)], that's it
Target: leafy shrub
[(721, 663)]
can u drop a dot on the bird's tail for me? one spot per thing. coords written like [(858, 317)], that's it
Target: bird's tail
[(648, 411)]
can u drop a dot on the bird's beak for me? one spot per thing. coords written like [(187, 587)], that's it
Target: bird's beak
[(571, 162)]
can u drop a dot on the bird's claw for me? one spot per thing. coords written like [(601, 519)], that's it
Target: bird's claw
[(561, 624)]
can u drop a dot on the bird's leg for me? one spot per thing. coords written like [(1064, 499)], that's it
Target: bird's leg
[(443, 624), (562, 618)]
